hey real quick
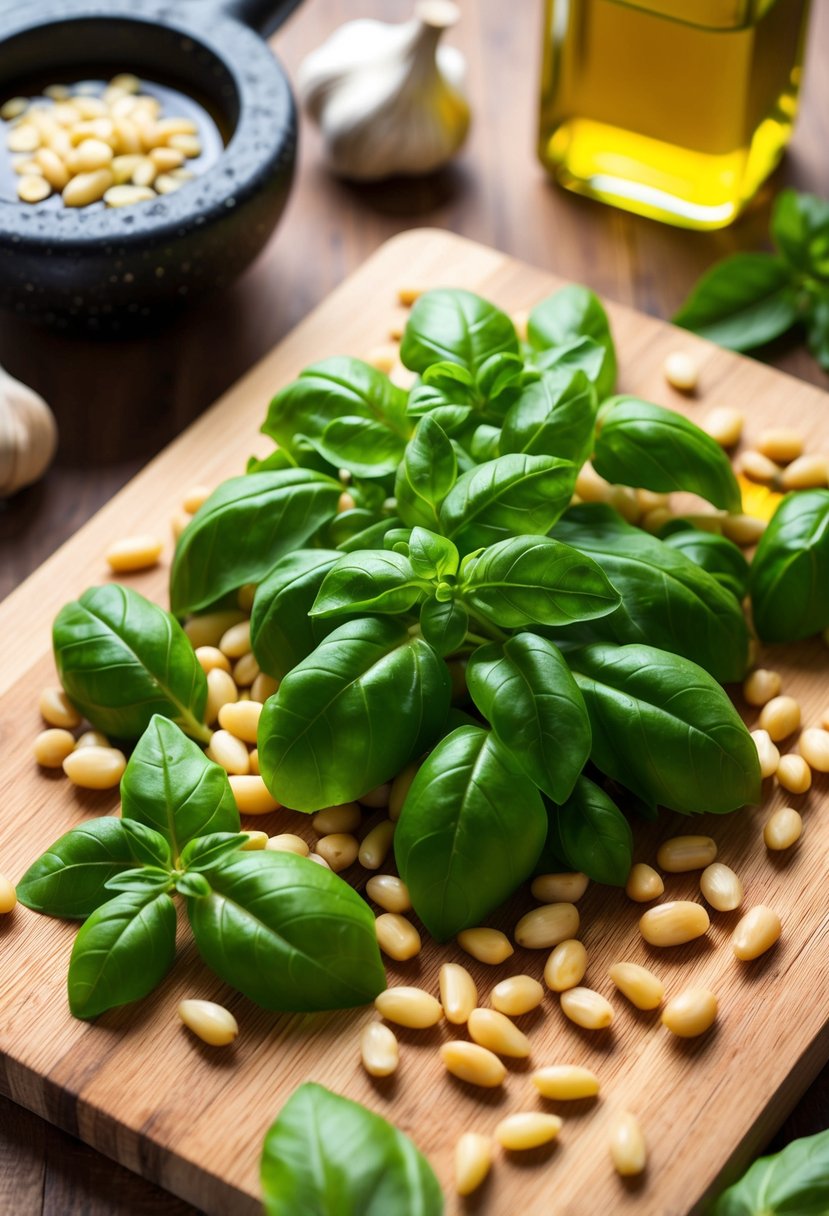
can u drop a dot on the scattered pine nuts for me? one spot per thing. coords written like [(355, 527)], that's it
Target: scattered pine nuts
[(472, 1063), (458, 993), (375, 845), (641, 987), (252, 795), (333, 819), (756, 933), (565, 1082), (681, 370), (288, 842), (781, 444), (794, 774), (780, 717), (320, 861), (690, 1013), (813, 745), (681, 854), (590, 487), (566, 966), (53, 746), (339, 849), (133, 553), (411, 1007), (721, 887), (527, 1129), (494, 1030), (547, 926), (212, 1023), (758, 467), (379, 1050), (245, 670), (473, 1160), (559, 888), (390, 892), (724, 425), (196, 497), (767, 753), (644, 883), (783, 829), (228, 751), (517, 995), (255, 840), (8, 896), (586, 1008), (396, 936), (95, 768), (208, 629), (627, 1145), (761, 686), (56, 709), (810, 472), (486, 945), (674, 923)]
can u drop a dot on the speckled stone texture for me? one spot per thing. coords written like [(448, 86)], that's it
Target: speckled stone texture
[(111, 270)]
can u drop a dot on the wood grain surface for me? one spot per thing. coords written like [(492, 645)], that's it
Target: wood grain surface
[(118, 403), (138, 1088)]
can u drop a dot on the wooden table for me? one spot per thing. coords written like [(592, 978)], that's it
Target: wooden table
[(117, 403)]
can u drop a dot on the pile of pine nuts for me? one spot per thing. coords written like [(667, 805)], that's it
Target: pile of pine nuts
[(117, 146)]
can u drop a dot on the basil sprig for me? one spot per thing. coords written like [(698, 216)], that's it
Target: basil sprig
[(793, 1182)]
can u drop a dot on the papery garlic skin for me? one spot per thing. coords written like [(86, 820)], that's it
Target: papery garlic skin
[(28, 435), (387, 98)]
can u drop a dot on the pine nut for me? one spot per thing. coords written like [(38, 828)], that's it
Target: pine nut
[(681, 371), (13, 108), (516, 995), (320, 861), (228, 751), (339, 849), (624, 500), (558, 888), (721, 887), (794, 774), (25, 138), (178, 522), (566, 966), (56, 709), (379, 1050), (212, 1023), (527, 1129), (761, 686), (89, 107), (767, 753), (95, 768), (87, 188), (725, 425), (586, 1008), (53, 746), (288, 842), (674, 923), (590, 487), (809, 472), (144, 173), (641, 987), (472, 1063), (494, 1030), (262, 688), (783, 829), (547, 926), (195, 498), (210, 628), (166, 128), (375, 845), (190, 145), (123, 168), (127, 195), (221, 690), (458, 993), (133, 553), (690, 1013), (52, 168), (255, 841), (92, 154), (743, 529), (756, 933), (396, 936), (210, 657), (235, 641), (33, 188), (252, 795), (165, 183), (489, 946), (681, 854), (473, 1159), (166, 159), (92, 738), (650, 501), (813, 745), (654, 521), (126, 81), (627, 1145), (780, 717), (126, 137), (411, 1007), (245, 670), (389, 892), (345, 818), (780, 444), (565, 1082), (383, 357), (8, 896), (376, 798), (758, 467), (644, 883), (400, 788), (241, 718)]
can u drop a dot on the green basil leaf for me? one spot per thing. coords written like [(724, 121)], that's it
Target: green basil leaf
[(595, 835), (485, 443), (149, 847), (800, 230), (448, 392), (121, 953), (427, 474), (790, 572), (367, 701), (396, 540), (432, 556), (645, 445), (536, 580), (455, 327), (148, 879), (444, 625), (370, 537), (665, 729), (287, 933), (793, 1182), (365, 448), (371, 581), (243, 529), (471, 829), (515, 493), (498, 375), (281, 631), (576, 354), (359, 1163), (741, 302), (575, 312), (170, 786), (554, 416), (122, 659), (720, 557), (525, 689), (193, 885), (205, 851)]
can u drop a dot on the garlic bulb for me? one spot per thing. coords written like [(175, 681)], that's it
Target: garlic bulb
[(387, 98), (28, 435)]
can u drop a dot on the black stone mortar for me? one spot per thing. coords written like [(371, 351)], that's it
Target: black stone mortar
[(114, 269)]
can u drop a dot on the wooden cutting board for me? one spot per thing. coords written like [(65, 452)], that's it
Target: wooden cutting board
[(139, 1088)]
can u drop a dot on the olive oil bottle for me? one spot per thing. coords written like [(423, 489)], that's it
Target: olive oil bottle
[(675, 109)]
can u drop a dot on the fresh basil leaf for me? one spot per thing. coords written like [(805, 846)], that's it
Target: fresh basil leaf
[(368, 700), (456, 327), (205, 851), (534, 580), (594, 835), (793, 1182), (243, 529), (122, 952), (800, 230), (170, 786), (193, 885), (741, 302), (370, 537), (525, 689), (554, 416), (426, 475), (790, 572), (396, 540), (498, 375), (720, 557), (149, 847), (146, 879), (281, 631), (369, 581), (365, 448), (576, 354), (287, 933), (575, 312), (447, 392), (515, 493), (444, 625), (432, 556), (645, 445), (279, 458), (122, 659), (485, 443), (665, 729), (358, 1163), (471, 829)]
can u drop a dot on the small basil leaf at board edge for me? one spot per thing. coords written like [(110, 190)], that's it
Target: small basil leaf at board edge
[(431, 555), (373, 580), (470, 831), (205, 851), (348, 718), (789, 577), (653, 448), (287, 933), (742, 302), (444, 625), (193, 885), (121, 659), (121, 953), (457, 327), (595, 835), (281, 632), (800, 230), (426, 474), (554, 416), (170, 786), (575, 312), (243, 529), (361, 1163), (722, 559), (148, 879), (793, 1181), (665, 729), (526, 691)]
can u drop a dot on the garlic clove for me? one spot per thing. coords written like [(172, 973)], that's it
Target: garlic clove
[(28, 435)]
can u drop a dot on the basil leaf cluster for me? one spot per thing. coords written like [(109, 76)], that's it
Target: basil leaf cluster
[(793, 1182)]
